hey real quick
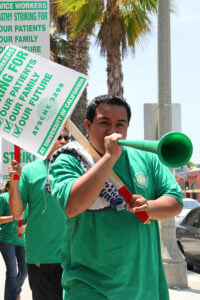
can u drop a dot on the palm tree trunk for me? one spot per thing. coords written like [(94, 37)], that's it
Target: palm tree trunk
[(114, 73), (77, 59)]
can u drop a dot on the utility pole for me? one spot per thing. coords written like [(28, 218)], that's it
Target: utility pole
[(173, 260)]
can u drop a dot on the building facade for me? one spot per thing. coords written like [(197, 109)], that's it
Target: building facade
[(189, 182)]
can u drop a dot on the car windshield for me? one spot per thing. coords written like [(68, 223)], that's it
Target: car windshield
[(190, 204)]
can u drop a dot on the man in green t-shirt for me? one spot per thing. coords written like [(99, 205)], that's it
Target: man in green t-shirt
[(45, 224), (108, 253)]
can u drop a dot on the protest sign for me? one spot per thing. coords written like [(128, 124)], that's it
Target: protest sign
[(8, 155), (25, 24), (36, 98)]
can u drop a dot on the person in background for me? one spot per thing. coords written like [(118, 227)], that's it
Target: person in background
[(108, 253), (12, 247), (45, 224)]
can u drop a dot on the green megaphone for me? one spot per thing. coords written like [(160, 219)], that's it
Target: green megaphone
[(174, 149)]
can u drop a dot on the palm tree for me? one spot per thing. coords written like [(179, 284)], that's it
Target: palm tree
[(57, 41), (71, 52), (120, 24)]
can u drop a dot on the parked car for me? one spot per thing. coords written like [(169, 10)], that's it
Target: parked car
[(188, 204), (188, 237)]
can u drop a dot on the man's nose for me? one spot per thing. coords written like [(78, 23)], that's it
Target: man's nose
[(63, 141), (112, 129)]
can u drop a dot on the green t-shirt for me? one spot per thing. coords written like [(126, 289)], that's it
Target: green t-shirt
[(111, 254), (45, 223), (8, 231)]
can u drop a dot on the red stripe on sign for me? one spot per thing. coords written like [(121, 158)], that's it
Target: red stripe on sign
[(19, 224), (126, 194), (17, 153), (17, 158)]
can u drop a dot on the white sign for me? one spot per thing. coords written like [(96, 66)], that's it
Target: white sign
[(36, 98), (8, 155), (25, 24)]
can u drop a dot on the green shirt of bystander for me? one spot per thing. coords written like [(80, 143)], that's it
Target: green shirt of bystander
[(42, 245), (8, 231)]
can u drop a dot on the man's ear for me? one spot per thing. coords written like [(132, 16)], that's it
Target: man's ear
[(87, 123)]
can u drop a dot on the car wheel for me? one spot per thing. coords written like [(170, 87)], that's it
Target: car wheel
[(189, 266)]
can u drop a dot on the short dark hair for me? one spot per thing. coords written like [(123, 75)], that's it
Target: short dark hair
[(106, 99)]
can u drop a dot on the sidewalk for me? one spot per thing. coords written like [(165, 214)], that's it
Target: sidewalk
[(191, 293)]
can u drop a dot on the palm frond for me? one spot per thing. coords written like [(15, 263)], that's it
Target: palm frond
[(84, 14), (138, 25), (70, 6), (86, 18)]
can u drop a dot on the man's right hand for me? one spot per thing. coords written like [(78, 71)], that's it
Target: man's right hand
[(111, 145), (14, 169)]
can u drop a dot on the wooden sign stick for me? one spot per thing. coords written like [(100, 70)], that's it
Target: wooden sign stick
[(122, 189)]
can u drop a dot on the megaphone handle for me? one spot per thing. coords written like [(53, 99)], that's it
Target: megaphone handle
[(126, 194), (20, 224)]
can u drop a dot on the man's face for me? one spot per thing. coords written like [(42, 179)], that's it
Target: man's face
[(108, 119), (62, 140)]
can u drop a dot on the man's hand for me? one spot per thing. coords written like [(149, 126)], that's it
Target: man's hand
[(21, 229), (138, 204), (14, 169), (111, 145)]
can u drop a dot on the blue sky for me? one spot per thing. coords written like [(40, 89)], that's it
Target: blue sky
[(140, 73)]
